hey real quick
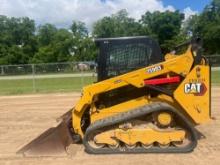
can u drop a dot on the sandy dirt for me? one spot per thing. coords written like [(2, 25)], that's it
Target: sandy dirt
[(22, 118)]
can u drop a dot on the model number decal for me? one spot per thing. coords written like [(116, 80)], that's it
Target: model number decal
[(155, 69)]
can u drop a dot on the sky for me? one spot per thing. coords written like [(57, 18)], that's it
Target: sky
[(195, 5), (62, 12)]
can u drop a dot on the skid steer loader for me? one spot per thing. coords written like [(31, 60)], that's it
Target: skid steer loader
[(142, 102)]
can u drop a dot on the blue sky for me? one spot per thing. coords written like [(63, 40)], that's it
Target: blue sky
[(62, 12), (196, 5)]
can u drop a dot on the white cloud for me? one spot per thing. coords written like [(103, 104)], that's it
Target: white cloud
[(189, 12), (62, 12)]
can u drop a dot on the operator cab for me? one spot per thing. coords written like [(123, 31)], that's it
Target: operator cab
[(121, 55)]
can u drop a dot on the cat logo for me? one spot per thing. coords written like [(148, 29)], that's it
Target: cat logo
[(195, 88)]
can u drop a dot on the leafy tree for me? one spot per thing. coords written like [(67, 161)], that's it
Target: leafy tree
[(188, 27), (83, 48), (56, 46), (208, 26), (17, 40), (164, 26), (79, 29), (117, 25), (21, 42), (46, 34), (61, 45)]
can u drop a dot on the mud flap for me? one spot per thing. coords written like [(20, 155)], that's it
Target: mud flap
[(52, 142)]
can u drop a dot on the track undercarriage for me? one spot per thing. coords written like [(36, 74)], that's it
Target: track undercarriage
[(141, 130)]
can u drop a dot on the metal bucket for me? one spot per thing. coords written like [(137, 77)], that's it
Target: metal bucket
[(53, 142)]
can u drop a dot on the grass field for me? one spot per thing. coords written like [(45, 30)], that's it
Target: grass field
[(57, 84), (44, 85), (216, 77)]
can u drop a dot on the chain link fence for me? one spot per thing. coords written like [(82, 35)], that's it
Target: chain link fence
[(214, 60), (52, 77), (47, 68)]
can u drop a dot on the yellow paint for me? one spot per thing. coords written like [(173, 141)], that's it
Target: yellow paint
[(164, 118), (197, 107), (123, 107), (146, 136)]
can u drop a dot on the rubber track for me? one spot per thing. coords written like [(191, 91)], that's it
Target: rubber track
[(135, 113)]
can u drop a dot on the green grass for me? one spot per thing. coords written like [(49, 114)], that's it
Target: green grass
[(47, 85), (216, 77), (44, 85)]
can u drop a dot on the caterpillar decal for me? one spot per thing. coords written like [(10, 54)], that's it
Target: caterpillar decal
[(197, 89)]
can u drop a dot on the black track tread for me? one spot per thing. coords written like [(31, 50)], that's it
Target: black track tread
[(135, 113)]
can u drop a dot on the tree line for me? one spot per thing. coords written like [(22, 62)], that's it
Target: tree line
[(22, 42)]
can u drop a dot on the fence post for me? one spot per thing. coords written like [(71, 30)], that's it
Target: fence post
[(33, 77), (82, 78), (2, 70)]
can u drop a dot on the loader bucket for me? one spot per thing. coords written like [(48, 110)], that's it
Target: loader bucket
[(52, 142)]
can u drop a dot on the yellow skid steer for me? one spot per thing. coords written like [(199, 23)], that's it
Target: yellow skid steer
[(142, 102)]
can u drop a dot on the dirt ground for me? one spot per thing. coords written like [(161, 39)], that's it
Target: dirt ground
[(22, 118)]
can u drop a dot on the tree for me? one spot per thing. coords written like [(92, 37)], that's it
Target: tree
[(17, 40), (55, 46), (209, 27), (189, 25), (118, 25), (164, 26), (21, 42), (79, 29), (46, 34), (83, 48)]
